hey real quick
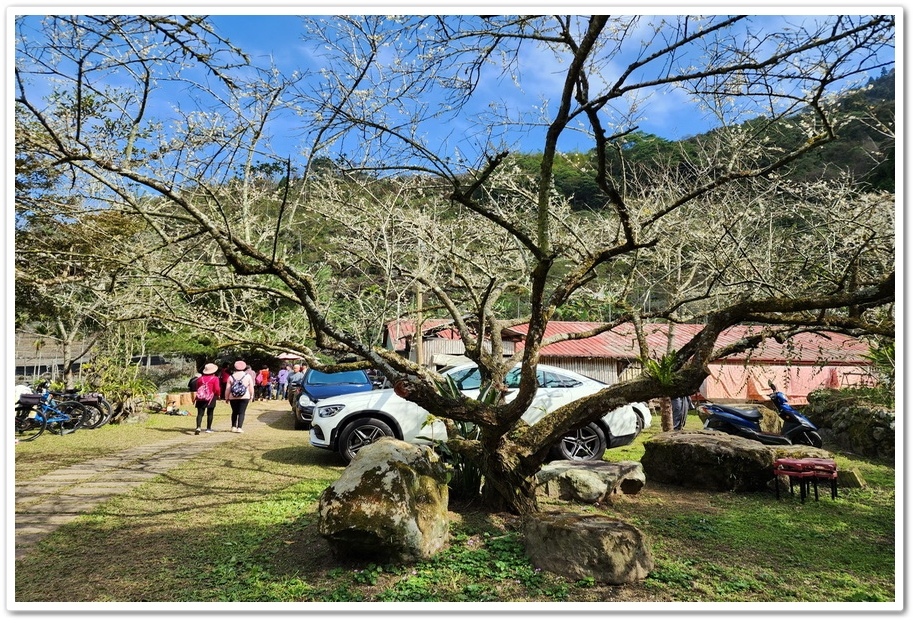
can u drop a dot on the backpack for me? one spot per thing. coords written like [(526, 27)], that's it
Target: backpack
[(237, 388), (203, 393)]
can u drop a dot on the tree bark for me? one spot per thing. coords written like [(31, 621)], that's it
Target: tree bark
[(666, 413), (507, 488)]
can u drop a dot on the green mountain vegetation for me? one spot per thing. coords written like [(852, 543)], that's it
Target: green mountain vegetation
[(863, 149)]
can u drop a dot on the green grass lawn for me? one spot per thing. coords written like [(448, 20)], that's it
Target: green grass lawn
[(237, 524)]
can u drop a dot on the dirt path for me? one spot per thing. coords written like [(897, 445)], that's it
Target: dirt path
[(45, 504)]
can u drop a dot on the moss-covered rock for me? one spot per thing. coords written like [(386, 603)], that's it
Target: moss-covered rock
[(575, 546), (390, 503), (851, 423)]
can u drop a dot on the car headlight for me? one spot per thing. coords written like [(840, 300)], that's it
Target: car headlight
[(328, 410), (305, 401)]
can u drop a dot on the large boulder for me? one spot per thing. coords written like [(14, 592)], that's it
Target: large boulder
[(390, 503), (717, 461), (591, 482), (587, 546)]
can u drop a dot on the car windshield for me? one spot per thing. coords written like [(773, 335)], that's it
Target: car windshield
[(466, 379), (316, 377), (549, 379), (545, 379), (470, 379)]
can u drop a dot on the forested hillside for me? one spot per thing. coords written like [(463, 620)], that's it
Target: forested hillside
[(863, 149)]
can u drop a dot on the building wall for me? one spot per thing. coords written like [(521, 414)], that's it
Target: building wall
[(604, 370), (41, 356), (437, 346), (736, 382), (741, 383)]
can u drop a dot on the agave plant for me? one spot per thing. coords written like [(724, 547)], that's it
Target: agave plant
[(465, 478)]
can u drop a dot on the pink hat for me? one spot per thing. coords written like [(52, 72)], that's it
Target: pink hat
[(210, 368), (240, 365)]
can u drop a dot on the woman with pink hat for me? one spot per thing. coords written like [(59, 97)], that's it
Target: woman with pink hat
[(206, 394), (239, 391)]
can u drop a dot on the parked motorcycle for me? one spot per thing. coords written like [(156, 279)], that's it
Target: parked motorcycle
[(796, 428)]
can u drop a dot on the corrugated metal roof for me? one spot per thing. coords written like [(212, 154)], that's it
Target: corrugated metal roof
[(620, 343), (398, 331)]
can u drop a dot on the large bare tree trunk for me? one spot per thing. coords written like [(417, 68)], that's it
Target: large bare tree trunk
[(507, 487)]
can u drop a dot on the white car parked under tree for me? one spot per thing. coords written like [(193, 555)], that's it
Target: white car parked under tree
[(345, 424)]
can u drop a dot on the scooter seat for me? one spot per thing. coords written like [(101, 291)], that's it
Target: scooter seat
[(752, 414)]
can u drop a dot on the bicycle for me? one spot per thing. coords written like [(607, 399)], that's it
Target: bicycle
[(100, 412), (36, 413)]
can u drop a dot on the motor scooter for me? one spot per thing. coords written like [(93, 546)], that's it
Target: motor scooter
[(796, 428)]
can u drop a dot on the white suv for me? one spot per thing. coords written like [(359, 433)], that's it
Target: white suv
[(347, 423)]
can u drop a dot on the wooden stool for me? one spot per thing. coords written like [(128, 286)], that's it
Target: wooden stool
[(796, 471)]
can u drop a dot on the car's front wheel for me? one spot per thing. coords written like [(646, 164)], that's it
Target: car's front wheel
[(361, 433), (585, 444)]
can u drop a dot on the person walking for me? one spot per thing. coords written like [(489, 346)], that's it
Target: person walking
[(206, 393), (192, 384), (274, 392), (294, 382), (263, 380), (282, 377), (224, 379), (239, 392)]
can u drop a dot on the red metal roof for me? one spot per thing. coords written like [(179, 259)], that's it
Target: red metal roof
[(620, 343)]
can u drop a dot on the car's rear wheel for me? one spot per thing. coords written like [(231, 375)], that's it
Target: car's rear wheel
[(585, 444), (359, 434)]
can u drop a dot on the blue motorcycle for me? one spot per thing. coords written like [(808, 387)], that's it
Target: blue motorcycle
[(796, 428)]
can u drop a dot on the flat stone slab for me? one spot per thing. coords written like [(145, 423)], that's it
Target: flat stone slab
[(591, 482)]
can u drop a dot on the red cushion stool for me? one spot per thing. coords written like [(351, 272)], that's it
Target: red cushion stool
[(806, 472), (823, 469), (796, 472)]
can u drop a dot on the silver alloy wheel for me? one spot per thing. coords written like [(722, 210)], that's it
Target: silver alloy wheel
[(584, 444), (361, 433)]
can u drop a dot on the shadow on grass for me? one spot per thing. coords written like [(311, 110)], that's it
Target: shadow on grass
[(304, 454)]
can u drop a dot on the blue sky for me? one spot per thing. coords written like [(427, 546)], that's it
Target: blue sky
[(671, 115), (275, 34), (278, 37)]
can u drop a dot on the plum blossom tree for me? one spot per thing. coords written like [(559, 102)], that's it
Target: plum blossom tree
[(385, 205)]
